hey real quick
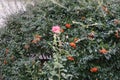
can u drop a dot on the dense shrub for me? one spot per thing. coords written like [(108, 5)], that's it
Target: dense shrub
[(87, 48)]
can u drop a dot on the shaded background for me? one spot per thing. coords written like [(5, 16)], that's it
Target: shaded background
[(8, 7)]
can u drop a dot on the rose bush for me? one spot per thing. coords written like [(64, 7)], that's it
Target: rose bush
[(85, 45)]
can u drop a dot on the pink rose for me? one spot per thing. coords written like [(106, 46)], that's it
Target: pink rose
[(56, 29)]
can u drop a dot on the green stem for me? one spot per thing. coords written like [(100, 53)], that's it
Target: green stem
[(57, 39), (58, 66)]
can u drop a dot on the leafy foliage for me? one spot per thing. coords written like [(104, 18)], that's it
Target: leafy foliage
[(94, 28)]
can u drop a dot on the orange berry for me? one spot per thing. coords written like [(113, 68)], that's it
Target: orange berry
[(117, 35), (103, 51), (26, 46), (68, 25), (6, 51), (83, 18), (37, 39), (61, 30), (37, 36), (70, 58), (72, 44), (105, 9), (116, 21), (5, 61), (94, 69), (34, 41), (76, 39)]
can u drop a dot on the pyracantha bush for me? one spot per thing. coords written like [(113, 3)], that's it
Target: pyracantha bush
[(62, 40)]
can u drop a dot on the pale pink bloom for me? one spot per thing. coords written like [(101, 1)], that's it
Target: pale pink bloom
[(56, 29)]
